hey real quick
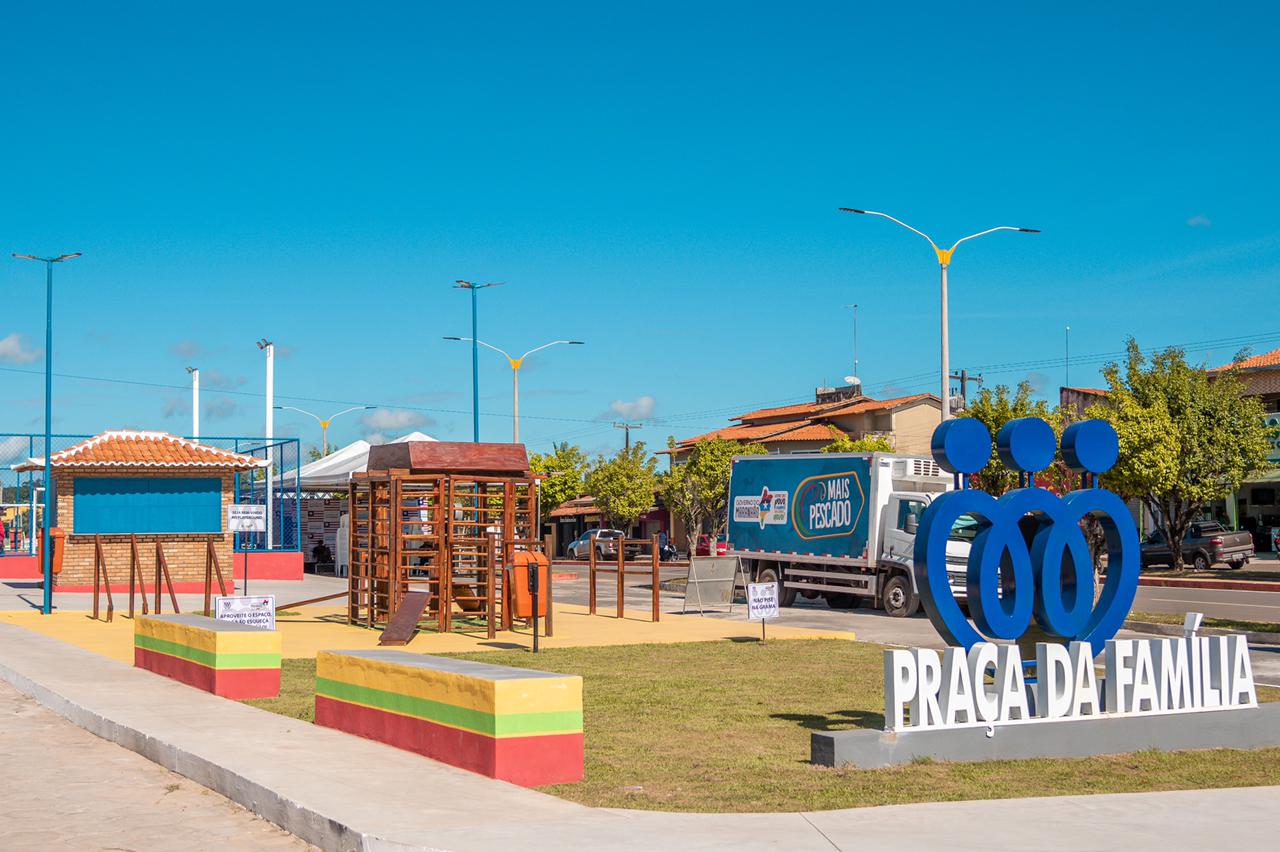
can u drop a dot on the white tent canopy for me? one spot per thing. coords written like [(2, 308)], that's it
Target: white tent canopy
[(333, 472)]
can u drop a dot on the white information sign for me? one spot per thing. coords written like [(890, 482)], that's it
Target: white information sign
[(257, 611), (246, 517), (762, 601)]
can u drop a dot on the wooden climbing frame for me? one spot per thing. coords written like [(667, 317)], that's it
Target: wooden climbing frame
[(449, 534)]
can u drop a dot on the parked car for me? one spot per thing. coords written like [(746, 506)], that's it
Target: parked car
[(703, 547), (604, 541), (1205, 544)]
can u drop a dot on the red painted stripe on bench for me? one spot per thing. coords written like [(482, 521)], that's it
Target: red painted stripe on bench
[(528, 761), (237, 684)]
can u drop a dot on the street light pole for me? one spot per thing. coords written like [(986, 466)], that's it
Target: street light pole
[(324, 422), (515, 364), (944, 261), (195, 402), (475, 354), (270, 348), (46, 560)]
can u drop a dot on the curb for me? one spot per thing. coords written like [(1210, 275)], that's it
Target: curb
[(1254, 637), (1221, 585)]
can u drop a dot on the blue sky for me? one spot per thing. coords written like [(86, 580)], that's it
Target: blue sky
[(660, 181)]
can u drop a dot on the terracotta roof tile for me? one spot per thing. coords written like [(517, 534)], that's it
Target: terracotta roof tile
[(868, 405), (127, 448), (804, 408), (1257, 362)]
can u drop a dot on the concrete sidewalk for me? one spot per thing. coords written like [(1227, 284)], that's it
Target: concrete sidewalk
[(342, 792)]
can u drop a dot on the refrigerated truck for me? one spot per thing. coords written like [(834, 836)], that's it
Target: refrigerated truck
[(840, 526)]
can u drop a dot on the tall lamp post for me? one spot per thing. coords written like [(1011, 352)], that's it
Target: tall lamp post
[(270, 349), (475, 354), (515, 363), (195, 402), (46, 561), (324, 422), (944, 261)]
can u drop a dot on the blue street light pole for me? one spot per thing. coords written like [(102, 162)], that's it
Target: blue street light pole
[(47, 554), (475, 356)]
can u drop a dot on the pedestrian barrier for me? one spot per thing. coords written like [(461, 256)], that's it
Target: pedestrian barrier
[(223, 657), (511, 724), (649, 566)]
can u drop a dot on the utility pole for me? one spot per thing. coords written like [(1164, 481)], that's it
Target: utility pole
[(627, 427), (964, 378)]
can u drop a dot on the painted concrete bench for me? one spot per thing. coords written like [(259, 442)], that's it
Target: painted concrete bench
[(222, 657), (513, 724)]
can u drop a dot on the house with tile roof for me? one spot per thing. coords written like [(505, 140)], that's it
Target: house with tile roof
[(124, 487), (1261, 377), (906, 422)]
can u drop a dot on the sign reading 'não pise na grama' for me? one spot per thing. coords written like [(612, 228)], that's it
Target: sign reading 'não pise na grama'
[(985, 686)]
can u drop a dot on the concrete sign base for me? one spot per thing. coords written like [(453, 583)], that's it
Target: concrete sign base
[(1235, 728)]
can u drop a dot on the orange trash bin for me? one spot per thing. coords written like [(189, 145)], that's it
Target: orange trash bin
[(57, 540), (523, 605)]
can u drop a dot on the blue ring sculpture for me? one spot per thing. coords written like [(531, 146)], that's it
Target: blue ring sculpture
[(1029, 560)]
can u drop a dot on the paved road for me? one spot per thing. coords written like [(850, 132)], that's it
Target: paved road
[(1248, 606), (63, 788), (26, 594)]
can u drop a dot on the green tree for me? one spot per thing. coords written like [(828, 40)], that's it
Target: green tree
[(845, 444), (697, 491), (623, 486), (564, 468), (1186, 437), (997, 406)]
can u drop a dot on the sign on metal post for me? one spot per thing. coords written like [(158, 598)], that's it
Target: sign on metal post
[(253, 611), (246, 517), (762, 602)]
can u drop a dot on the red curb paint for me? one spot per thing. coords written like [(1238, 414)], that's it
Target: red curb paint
[(527, 761), (1220, 585), (237, 684), (20, 568)]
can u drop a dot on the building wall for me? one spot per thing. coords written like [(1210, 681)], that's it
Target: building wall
[(913, 428), (184, 554)]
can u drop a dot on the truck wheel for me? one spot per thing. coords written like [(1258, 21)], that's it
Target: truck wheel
[(842, 600), (786, 597), (1200, 562), (899, 600)]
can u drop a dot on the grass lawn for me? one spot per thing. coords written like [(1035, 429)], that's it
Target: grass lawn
[(1224, 623), (724, 726)]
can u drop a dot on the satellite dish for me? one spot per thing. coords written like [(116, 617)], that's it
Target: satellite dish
[(852, 380)]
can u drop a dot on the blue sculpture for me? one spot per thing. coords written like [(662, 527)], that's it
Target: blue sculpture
[(1029, 559)]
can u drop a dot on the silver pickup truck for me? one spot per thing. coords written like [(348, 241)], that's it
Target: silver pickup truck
[(1206, 543)]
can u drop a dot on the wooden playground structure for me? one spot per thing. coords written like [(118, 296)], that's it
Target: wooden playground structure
[(620, 569), (439, 531)]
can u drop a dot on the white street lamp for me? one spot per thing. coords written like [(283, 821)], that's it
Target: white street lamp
[(515, 374), (944, 261), (324, 422)]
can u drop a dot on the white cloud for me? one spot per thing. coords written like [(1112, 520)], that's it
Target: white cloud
[(13, 351), (1200, 221), (640, 408), (386, 423), (220, 409), (186, 349)]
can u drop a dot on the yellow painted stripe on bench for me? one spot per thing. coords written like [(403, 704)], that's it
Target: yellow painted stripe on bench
[(532, 695), (212, 641)]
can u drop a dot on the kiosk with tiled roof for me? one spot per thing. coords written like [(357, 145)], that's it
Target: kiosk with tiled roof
[(127, 489)]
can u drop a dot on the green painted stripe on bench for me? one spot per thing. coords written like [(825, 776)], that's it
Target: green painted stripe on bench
[(504, 725), (204, 658)]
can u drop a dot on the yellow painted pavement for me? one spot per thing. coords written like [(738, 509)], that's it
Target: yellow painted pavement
[(320, 628)]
